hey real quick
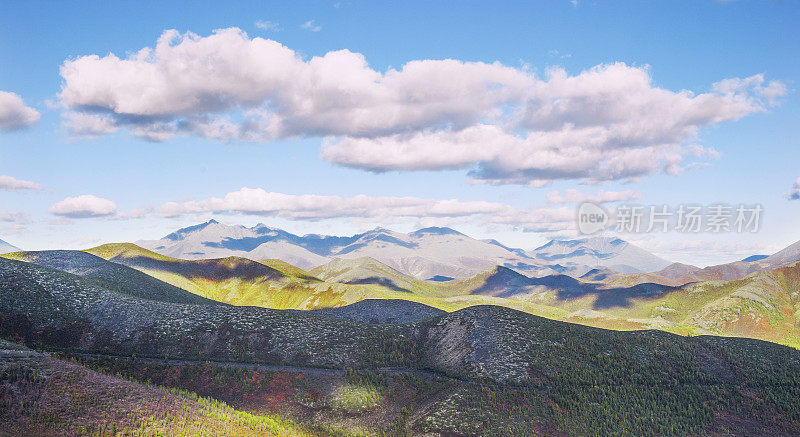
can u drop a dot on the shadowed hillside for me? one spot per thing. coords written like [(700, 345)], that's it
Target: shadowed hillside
[(46, 396), (110, 275)]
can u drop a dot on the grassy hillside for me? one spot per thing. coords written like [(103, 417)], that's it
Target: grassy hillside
[(288, 269), (369, 271), (234, 280), (761, 305), (46, 396), (273, 283), (485, 370), (109, 275)]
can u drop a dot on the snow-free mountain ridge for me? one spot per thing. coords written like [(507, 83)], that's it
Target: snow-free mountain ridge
[(425, 253)]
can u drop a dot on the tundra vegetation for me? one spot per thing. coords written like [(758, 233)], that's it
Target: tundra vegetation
[(108, 357)]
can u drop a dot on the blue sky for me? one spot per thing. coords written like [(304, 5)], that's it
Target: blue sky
[(687, 45)]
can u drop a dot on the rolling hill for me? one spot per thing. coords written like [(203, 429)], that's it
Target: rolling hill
[(369, 271), (500, 371), (110, 275), (698, 307), (267, 283)]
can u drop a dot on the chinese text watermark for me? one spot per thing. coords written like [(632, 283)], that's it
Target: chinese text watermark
[(685, 218)]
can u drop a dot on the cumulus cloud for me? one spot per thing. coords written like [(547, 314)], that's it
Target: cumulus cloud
[(256, 201), (84, 206), (228, 86), (575, 196), (11, 183), (501, 124), (795, 193), (14, 115)]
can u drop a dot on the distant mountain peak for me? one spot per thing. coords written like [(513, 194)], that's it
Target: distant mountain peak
[(599, 252), (180, 233), (434, 230)]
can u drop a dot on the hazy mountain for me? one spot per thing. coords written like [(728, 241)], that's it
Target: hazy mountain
[(785, 256), (426, 253), (8, 247), (577, 257), (423, 254)]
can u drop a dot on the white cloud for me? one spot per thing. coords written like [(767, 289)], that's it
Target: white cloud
[(256, 201), (575, 196), (228, 86), (84, 206), (18, 217), (86, 125), (795, 193), (267, 25), (310, 25), (503, 124), (14, 115), (15, 221), (137, 213), (11, 183)]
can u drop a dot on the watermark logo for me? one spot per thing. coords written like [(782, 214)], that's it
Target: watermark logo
[(684, 218), (592, 218)]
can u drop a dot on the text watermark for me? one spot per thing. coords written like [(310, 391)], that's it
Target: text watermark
[(685, 218)]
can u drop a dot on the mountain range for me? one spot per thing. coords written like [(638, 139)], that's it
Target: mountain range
[(434, 252), (679, 274)]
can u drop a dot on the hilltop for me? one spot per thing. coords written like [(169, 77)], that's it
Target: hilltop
[(369, 271)]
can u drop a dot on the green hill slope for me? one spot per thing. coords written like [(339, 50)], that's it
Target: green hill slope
[(371, 271), (268, 283), (110, 275), (288, 269)]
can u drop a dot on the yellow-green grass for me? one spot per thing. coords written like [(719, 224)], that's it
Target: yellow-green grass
[(288, 269)]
